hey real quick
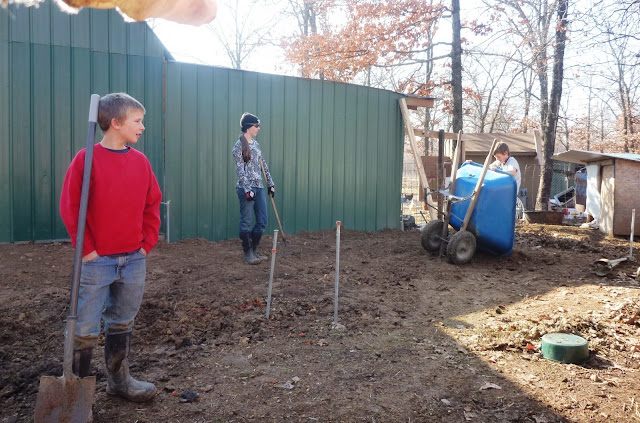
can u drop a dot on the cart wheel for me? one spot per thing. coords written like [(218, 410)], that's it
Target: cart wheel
[(461, 248), (431, 237)]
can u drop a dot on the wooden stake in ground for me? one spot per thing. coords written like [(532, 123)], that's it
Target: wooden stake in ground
[(335, 301), (273, 263)]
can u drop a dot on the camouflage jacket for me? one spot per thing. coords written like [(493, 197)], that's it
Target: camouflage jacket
[(250, 174)]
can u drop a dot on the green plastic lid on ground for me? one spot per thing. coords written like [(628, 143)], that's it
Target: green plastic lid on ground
[(565, 347)]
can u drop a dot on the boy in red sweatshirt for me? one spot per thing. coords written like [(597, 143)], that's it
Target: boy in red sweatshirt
[(123, 219)]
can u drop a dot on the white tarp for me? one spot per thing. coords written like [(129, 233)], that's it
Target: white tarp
[(593, 191)]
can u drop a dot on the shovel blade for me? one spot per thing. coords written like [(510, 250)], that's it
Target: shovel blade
[(65, 399)]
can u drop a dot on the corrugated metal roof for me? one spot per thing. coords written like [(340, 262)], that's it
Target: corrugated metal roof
[(584, 157), (521, 144)]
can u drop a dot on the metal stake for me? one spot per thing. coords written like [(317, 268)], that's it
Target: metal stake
[(168, 220), (633, 224), (273, 263), (335, 302)]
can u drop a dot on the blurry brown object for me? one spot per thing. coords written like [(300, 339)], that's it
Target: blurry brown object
[(192, 12)]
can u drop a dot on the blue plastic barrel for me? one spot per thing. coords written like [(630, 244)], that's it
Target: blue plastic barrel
[(493, 220)]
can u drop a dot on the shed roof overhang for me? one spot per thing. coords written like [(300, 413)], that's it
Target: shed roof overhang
[(519, 144), (585, 157)]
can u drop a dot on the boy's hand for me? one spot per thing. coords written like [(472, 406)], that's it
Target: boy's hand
[(272, 191), (90, 256), (143, 251), (250, 195)]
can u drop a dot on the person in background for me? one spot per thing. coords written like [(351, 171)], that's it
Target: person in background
[(123, 219), (506, 162), (250, 190)]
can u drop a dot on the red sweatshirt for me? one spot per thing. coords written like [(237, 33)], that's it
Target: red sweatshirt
[(124, 202)]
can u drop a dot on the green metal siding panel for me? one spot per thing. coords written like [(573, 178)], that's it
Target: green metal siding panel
[(42, 166), (5, 140), (362, 145), (373, 144), (327, 217), (173, 148), (289, 163), (99, 30), (118, 30), (319, 180), (350, 157), (313, 170), (20, 24), (382, 165), (99, 65), (117, 73), (224, 200), (301, 198), (61, 138), (265, 138), (134, 78), (81, 29), (21, 163), (81, 89), (235, 109), (190, 181), (41, 23), (152, 141), (136, 34), (61, 28), (276, 145), (4, 27), (205, 211), (339, 142)]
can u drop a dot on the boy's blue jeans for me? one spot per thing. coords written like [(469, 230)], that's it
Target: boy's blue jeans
[(111, 288), (259, 206)]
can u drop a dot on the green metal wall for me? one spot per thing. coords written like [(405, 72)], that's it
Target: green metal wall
[(334, 150), (50, 64)]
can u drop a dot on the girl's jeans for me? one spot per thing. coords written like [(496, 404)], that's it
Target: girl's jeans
[(259, 205), (111, 288)]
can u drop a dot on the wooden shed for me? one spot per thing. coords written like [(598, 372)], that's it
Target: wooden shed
[(526, 148), (614, 180)]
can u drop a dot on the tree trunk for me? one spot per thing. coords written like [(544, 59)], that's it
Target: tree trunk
[(456, 67), (551, 121)]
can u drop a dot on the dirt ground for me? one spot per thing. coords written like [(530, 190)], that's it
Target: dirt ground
[(422, 340)]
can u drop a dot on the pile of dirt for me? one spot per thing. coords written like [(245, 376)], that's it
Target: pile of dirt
[(418, 339)]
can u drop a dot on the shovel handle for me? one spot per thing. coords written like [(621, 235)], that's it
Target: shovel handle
[(273, 203), (72, 317)]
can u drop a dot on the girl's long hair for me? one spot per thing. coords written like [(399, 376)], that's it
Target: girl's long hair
[(246, 151)]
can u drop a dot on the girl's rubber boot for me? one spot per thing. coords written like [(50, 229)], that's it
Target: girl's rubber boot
[(255, 241), (249, 257)]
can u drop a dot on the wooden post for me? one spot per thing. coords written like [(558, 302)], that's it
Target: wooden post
[(414, 150), (440, 182)]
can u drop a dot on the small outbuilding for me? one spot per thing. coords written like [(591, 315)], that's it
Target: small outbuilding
[(613, 188)]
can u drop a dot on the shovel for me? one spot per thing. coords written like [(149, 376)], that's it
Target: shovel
[(69, 398), (273, 203), (604, 266)]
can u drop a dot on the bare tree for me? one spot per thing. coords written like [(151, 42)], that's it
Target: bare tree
[(242, 28)]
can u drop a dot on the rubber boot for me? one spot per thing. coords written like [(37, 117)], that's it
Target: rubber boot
[(249, 257), (255, 241), (82, 362), (119, 381)]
